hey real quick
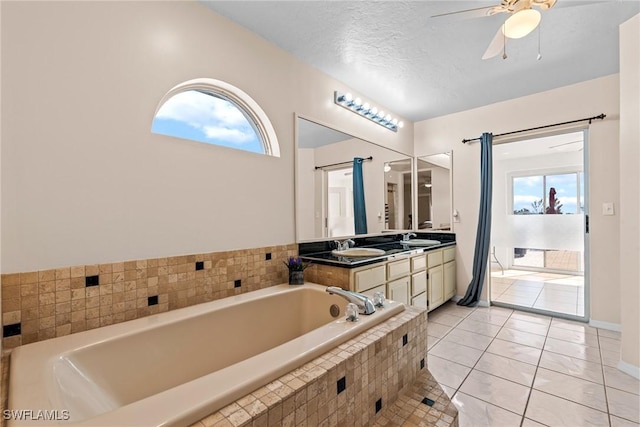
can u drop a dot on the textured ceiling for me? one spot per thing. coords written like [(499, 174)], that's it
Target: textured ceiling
[(394, 54)]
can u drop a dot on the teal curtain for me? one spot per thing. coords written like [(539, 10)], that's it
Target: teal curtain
[(359, 210), (483, 234)]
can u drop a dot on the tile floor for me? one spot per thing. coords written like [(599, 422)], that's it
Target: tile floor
[(508, 368), (561, 293)]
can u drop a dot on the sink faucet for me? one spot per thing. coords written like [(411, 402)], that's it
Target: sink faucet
[(344, 245), (406, 237), (365, 305)]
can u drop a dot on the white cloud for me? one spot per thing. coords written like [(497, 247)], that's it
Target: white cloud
[(213, 116), (232, 135)]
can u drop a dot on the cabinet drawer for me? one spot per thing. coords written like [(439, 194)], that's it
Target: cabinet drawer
[(434, 258), (449, 254), (418, 263), (367, 279), (398, 269), (420, 300), (418, 283)]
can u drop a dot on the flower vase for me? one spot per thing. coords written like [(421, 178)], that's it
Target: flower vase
[(296, 277)]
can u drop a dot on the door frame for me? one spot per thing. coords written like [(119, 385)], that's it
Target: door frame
[(586, 253)]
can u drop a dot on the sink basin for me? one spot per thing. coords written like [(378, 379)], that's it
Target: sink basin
[(421, 242), (358, 252)]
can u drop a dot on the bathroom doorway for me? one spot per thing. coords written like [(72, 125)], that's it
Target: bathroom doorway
[(339, 203), (391, 207), (539, 217)]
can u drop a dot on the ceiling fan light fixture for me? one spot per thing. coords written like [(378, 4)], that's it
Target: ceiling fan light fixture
[(521, 23)]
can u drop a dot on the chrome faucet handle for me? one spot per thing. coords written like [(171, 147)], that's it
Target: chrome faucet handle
[(344, 245), (406, 237), (363, 302)]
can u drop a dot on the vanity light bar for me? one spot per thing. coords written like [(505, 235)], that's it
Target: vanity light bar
[(356, 105)]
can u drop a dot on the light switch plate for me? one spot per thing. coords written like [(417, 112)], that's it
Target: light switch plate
[(608, 208)]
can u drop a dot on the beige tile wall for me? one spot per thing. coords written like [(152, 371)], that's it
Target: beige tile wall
[(53, 303), (328, 275)]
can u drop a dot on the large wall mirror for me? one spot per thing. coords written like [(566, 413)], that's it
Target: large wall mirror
[(324, 184), (434, 192)]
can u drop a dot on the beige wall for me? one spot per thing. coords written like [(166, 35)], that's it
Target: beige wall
[(1, 270), (629, 194), (85, 181), (567, 103)]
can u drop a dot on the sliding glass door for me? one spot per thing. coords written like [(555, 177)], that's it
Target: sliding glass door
[(538, 229)]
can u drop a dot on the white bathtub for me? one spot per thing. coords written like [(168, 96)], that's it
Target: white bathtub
[(175, 368)]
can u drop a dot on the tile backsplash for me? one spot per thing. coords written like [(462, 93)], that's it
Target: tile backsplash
[(45, 304)]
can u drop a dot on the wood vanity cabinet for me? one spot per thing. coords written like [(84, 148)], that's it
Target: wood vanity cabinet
[(423, 280), (441, 276), (449, 267)]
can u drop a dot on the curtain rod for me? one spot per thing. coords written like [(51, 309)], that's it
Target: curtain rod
[(590, 119), (342, 163)]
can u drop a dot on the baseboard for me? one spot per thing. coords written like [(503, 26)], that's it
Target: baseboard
[(456, 298), (630, 369), (605, 325)]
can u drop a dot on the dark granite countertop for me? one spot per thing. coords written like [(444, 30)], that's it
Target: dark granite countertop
[(320, 252)]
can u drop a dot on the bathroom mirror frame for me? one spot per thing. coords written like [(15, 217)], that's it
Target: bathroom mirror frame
[(301, 213), (439, 226)]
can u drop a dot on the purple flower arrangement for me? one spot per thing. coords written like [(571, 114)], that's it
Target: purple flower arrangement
[(294, 263)]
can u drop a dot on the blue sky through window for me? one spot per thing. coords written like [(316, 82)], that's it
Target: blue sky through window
[(206, 118), (566, 186), (529, 190)]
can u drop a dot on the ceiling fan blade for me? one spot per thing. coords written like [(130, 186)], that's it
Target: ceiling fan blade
[(477, 12), (496, 46)]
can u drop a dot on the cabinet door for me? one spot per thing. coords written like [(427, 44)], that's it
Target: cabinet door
[(420, 300), (418, 283), (449, 280), (435, 287), (399, 290)]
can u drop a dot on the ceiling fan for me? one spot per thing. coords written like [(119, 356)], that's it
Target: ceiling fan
[(523, 20)]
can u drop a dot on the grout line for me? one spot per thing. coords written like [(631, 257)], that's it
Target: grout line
[(535, 374), (537, 365), (604, 379), (475, 364)]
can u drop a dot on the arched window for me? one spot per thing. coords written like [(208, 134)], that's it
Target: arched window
[(215, 112)]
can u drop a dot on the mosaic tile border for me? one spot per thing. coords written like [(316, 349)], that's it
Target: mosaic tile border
[(46, 304)]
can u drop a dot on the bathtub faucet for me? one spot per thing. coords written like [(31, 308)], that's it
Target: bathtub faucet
[(365, 305)]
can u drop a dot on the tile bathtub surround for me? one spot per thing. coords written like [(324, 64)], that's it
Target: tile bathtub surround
[(328, 275), (45, 304), (519, 368), (344, 386)]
